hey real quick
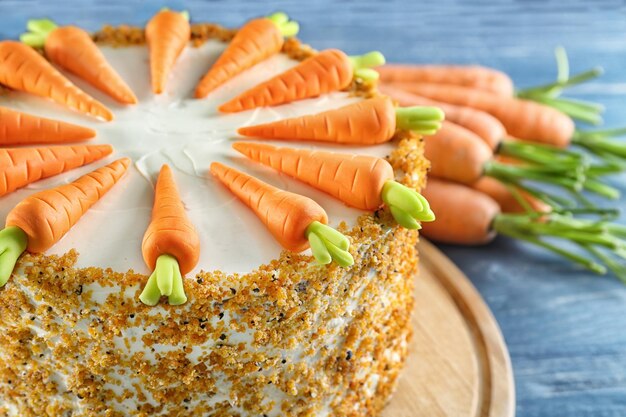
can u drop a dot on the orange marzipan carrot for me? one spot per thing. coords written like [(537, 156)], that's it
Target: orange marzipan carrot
[(17, 128), (48, 215), (286, 215), (367, 122), (486, 126), (357, 180), (456, 154), (524, 119), (22, 166), (506, 199), (256, 41), (464, 215), (328, 71), (72, 48), (170, 231), (23, 69), (472, 76), (167, 34)]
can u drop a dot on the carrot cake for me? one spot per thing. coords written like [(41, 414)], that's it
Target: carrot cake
[(264, 331)]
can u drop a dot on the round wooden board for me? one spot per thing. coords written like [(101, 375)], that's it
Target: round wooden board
[(458, 364)]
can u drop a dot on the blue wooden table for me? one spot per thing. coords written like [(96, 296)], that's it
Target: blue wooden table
[(565, 328)]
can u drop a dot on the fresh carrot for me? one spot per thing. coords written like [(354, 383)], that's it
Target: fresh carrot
[(508, 197), (72, 48), (23, 69), (487, 127), (496, 82), (471, 76), (42, 219), (297, 222), (22, 166), (456, 154), (17, 128), (366, 122), (550, 94), (254, 42), (469, 217), (167, 34), (364, 182), (464, 216), (327, 71), (523, 119), (171, 245)]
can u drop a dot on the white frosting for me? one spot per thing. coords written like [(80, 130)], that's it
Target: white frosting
[(188, 134)]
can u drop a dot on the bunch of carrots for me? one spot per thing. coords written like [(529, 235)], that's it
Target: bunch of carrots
[(497, 144)]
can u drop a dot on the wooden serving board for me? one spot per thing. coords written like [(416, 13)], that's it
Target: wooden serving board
[(458, 364)]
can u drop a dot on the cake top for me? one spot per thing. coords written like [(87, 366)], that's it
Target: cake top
[(171, 138)]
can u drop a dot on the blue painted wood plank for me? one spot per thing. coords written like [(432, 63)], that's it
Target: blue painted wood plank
[(566, 328)]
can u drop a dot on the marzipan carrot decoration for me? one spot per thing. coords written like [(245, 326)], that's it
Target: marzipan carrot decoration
[(22, 166), (297, 222), (167, 34), (468, 217), (42, 219), (327, 71), (456, 154), (366, 122), (171, 245), (487, 127), (72, 48), (363, 182), (23, 69), (254, 42), (25, 129), (472, 76)]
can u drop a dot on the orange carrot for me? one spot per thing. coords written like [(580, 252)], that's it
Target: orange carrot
[(297, 222), (72, 48), (23, 69), (167, 34), (18, 128), (327, 71), (357, 180), (457, 154), (364, 182), (171, 245), (45, 217), (367, 122), (524, 119), (468, 217), (471, 76), (286, 215), (487, 127), (170, 231), (506, 199), (254, 42), (464, 215), (22, 166)]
